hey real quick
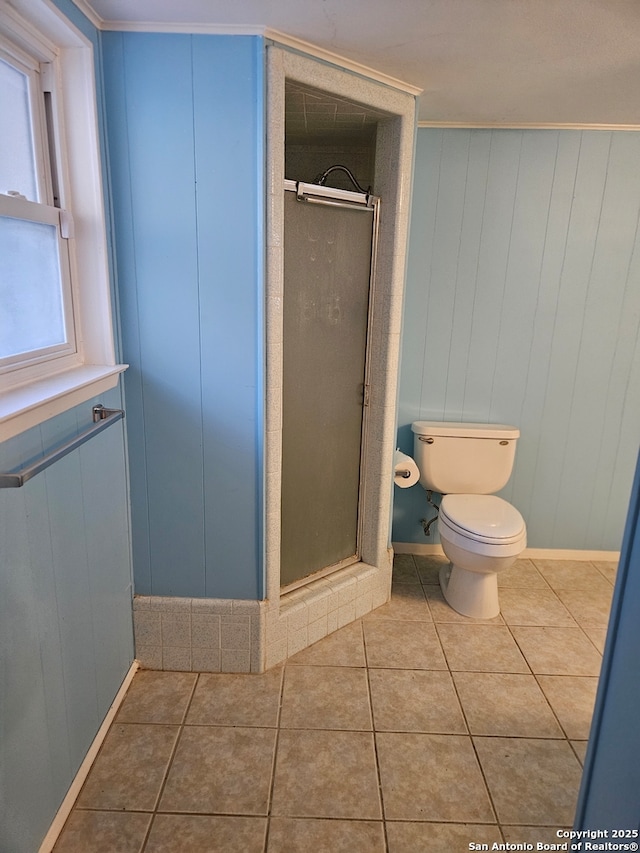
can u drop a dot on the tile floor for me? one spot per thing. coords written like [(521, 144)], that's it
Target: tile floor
[(414, 729)]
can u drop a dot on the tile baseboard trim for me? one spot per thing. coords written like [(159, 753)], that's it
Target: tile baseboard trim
[(312, 612), (67, 804), (238, 635), (198, 634), (528, 553)]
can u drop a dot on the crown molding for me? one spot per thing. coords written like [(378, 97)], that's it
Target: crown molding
[(183, 28), (468, 125), (89, 12), (335, 59), (247, 30)]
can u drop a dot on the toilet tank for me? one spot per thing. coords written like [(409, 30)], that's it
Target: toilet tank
[(459, 458)]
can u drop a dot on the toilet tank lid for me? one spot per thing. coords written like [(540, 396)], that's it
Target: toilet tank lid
[(460, 430)]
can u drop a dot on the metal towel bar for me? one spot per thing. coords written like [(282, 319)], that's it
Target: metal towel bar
[(102, 418)]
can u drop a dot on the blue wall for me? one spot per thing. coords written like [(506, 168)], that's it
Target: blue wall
[(186, 143), (66, 638), (608, 797), (523, 307), (65, 614)]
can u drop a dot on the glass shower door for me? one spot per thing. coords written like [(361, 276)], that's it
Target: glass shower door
[(327, 273)]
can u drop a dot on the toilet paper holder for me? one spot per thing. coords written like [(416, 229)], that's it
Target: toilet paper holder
[(405, 470)]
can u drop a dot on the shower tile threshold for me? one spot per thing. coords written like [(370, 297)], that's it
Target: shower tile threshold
[(412, 729)]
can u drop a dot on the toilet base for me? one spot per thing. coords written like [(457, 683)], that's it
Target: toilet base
[(473, 594)]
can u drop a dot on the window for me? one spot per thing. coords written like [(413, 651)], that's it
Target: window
[(36, 321), (56, 342)]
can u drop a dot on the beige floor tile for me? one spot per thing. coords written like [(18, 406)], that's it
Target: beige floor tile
[(569, 574), (572, 698), (344, 647), (130, 768), (404, 645), (505, 704), (206, 834), (103, 832), (326, 697), (408, 601), (220, 770), (533, 607), (324, 778), (597, 633), (413, 700), (588, 605), (157, 697), (522, 574), (580, 749), (532, 782), (608, 568), (481, 648), (227, 699), (558, 651), (326, 774), (431, 777), (407, 837), (302, 835), (429, 568), (443, 612), (533, 835), (404, 569)]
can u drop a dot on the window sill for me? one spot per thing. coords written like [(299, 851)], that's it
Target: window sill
[(29, 405)]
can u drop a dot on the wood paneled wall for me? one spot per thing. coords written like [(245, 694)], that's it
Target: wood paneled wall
[(186, 144), (66, 638), (523, 307), (66, 634)]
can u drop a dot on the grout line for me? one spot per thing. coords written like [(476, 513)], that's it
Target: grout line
[(592, 641), (375, 740), (524, 657), (274, 760), (471, 740), (562, 728), (163, 784), (561, 737), (486, 784)]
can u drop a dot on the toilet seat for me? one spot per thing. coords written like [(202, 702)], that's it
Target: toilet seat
[(483, 524), (485, 518)]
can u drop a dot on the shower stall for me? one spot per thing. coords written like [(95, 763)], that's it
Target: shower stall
[(334, 281), (329, 262)]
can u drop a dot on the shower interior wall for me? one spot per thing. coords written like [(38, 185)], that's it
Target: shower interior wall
[(322, 131)]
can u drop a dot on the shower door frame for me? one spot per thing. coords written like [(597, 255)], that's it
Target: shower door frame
[(316, 194), (291, 621)]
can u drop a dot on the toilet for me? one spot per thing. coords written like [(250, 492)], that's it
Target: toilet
[(481, 534)]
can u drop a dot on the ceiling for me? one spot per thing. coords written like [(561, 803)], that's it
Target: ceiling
[(477, 62), (313, 117)]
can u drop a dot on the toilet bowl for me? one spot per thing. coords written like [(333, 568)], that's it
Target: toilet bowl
[(481, 535)]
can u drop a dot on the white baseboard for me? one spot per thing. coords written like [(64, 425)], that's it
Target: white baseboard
[(528, 553), (415, 548), (83, 771), (568, 554)]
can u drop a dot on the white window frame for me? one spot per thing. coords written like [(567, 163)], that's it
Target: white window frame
[(37, 391), (40, 72)]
